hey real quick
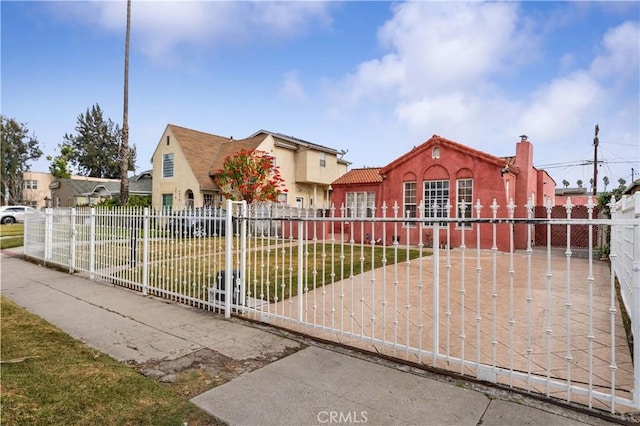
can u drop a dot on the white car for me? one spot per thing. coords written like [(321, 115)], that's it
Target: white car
[(13, 214)]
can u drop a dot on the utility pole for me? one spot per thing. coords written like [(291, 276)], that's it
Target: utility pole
[(595, 161)]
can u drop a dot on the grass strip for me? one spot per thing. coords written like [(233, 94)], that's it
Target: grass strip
[(11, 235), (50, 378)]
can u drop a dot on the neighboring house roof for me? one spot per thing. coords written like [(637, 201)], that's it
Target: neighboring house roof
[(200, 150), (571, 191), (140, 184), (362, 176), (231, 148), (137, 186), (142, 175), (634, 187), (303, 143), (205, 152), (436, 140)]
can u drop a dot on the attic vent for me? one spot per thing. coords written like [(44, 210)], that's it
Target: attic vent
[(436, 152), (168, 139)]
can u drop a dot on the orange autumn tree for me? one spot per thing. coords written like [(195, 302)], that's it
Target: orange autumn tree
[(250, 176)]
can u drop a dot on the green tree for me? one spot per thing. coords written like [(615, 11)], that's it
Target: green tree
[(96, 146), (59, 166), (565, 183), (622, 182), (17, 149), (605, 198), (250, 176), (605, 180)]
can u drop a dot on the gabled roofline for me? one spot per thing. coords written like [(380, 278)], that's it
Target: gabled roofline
[(95, 189), (175, 126), (440, 141), (146, 173)]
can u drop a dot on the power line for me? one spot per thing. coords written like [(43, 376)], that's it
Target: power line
[(582, 163)]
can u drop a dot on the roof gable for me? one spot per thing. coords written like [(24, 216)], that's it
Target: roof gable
[(205, 152), (90, 186), (436, 140), (233, 147), (200, 149)]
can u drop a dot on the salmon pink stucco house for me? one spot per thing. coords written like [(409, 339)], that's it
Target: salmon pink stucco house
[(439, 172)]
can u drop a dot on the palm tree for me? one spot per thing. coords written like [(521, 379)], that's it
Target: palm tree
[(579, 182), (591, 183), (622, 182), (605, 180), (565, 183), (124, 146)]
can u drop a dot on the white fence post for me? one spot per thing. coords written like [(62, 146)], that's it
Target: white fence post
[(228, 265), (72, 241), (92, 243), (145, 252), (300, 267), (635, 305), (48, 234), (243, 254)]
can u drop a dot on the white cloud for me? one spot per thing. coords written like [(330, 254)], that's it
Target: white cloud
[(164, 27), (621, 57), (440, 66), (562, 107), (287, 18), (292, 87), (437, 47)]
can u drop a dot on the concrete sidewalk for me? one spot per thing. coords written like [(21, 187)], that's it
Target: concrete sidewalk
[(317, 384)]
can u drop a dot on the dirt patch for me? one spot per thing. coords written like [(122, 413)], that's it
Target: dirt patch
[(199, 371)]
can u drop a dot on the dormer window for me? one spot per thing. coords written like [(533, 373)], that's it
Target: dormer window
[(435, 154)]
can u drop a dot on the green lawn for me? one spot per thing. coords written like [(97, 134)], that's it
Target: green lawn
[(268, 268), (49, 378), (11, 235)]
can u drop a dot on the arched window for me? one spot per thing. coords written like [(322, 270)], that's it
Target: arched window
[(190, 202), (436, 152)]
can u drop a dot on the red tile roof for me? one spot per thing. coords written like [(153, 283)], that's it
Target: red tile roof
[(366, 175)]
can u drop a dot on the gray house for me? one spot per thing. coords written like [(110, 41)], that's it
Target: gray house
[(83, 191)]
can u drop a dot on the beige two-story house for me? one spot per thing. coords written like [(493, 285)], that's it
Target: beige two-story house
[(35, 189), (186, 161)]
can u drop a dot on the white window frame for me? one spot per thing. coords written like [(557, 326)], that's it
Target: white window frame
[(30, 184), (168, 165), (323, 159), (464, 192), (410, 201), (360, 204), (435, 191)]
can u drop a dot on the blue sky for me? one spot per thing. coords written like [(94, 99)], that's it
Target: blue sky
[(373, 78)]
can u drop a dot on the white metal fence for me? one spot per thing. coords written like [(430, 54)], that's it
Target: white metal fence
[(538, 319)]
